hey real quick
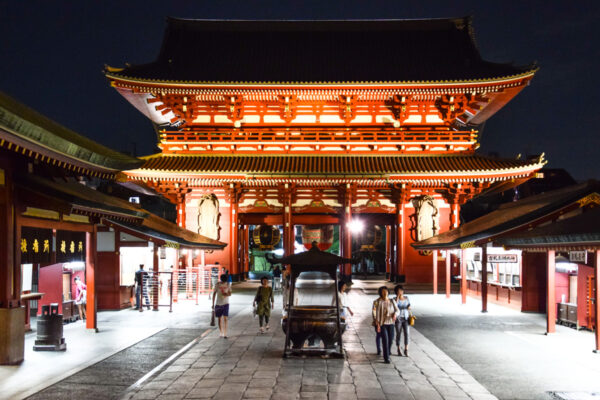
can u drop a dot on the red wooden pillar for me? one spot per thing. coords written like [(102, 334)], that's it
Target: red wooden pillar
[(181, 210), (448, 272), (463, 275), (288, 228), (400, 270), (597, 302), (551, 293), (347, 243), (233, 231), (91, 322), (12, 316), (484, 284), (155, 277), (435, 271), (388, 251)]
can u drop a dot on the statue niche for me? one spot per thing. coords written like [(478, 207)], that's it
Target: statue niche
[(425, 220), (208, 216)]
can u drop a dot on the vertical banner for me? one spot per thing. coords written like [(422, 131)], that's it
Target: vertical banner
[(70, 246), (36, 245)]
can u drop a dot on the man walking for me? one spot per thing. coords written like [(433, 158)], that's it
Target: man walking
[(141, 281)]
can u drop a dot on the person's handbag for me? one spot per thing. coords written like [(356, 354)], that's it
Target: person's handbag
[(411, 320), (212, 319)]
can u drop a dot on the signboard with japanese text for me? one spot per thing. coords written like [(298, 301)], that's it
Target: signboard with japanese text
[(578, 256), (70, 246), (36, 245), (502, 258)]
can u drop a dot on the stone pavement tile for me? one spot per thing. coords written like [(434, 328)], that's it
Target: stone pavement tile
[(147, 394), (361, 383), (210, 382), (370, 394), (389, 388), (418, 385), (202, 393), (242, 371), (176, 368), (233, 387), (342, 396), (342, 387), (313, 395), (483, 396), (167, 376), (287, 388), (227, 396), (156, 385), (238, 379), (463, 396), (463, 378), (344, 377), (265, 374), (262, 383), (426, 394), (285, 396), (472, 388), (313, 388), (178, 388), (442, 381), (174, 396), (258, 393)]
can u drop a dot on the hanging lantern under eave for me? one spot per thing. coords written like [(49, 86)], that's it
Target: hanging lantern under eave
[(266, 237), (322, 234), (371, 237)]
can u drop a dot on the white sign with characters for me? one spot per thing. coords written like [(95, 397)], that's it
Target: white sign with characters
[(502, 258), (578, 256)]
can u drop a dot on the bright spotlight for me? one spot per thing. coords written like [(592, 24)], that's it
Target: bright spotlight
[(356, 226)]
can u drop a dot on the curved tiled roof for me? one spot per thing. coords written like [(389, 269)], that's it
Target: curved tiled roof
[(290, 165), (286, 52), (32, 130), (509, 217)]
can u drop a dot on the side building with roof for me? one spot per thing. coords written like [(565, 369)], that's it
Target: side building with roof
[(317, 127), (55, 227)]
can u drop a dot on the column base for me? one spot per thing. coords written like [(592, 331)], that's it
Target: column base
[(12, 335)]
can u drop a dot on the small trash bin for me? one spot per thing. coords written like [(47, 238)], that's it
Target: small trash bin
[(50, 330)]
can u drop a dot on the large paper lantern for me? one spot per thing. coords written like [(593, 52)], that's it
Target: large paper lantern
[(266, 237), (370, 238), (322, 234)]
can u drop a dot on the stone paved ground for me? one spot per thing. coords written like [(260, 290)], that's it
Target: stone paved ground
[(249, 365)]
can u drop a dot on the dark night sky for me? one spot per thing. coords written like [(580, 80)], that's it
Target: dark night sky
[(52, 53)]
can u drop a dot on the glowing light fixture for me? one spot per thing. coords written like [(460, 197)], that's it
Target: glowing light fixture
[(356, 226)]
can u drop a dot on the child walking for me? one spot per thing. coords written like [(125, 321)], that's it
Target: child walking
[(264, 302)]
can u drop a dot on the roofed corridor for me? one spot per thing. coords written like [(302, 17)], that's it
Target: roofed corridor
[(456, 353)]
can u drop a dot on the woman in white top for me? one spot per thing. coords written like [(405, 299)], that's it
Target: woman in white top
[(343, 299)]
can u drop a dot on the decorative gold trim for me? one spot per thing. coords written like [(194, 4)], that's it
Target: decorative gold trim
[(592, 198), (41, 213), (467, 245), (76, 218), (491, 80)]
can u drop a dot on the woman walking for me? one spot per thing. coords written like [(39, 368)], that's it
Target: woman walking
[(80, 297), (402, 324), (385, 312), (264, 302), (221, 294), (343, 299)]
